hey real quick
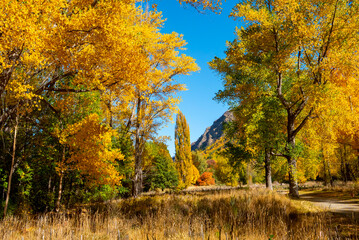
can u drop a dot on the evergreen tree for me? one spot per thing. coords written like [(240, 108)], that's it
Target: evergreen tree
[(161, 172)]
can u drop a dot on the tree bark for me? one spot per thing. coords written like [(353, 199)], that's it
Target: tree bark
[(268, 168), (293, 183), (58, 201), (291, 133), (138, 177), (292, 162), (343, 164), (330, 175), (326, 178), (49, 185), (12, 165)]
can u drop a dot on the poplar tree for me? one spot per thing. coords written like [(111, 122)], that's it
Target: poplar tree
[(188, 173)]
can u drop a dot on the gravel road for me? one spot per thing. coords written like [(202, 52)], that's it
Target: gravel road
[(348, 206)]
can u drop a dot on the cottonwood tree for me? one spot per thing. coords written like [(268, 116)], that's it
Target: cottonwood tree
[(93, 43), (300, 46), (257, 112), (52, 48), (89, 152), (69, 47), (152, 100), (334, 133), (263, 133)]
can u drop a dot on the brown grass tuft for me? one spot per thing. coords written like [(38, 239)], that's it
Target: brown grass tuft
[(238, 214)]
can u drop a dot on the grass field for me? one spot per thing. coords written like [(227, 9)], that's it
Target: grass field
[(229, 214)]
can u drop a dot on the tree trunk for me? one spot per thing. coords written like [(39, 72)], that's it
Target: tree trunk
[(12, 165), (249, 175), (325, 170), (137, 180), (330, 175), (293, 183), (292, 162), (49, 185), (48, 191), (325, 176), (343, 165), (268, 168), (58, 201)]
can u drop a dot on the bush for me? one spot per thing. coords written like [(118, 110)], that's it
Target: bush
[(205, 179)]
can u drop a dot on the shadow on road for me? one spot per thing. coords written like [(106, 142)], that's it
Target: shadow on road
[(347, 206)]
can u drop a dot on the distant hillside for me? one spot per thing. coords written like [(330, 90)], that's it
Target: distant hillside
[(212, 133)]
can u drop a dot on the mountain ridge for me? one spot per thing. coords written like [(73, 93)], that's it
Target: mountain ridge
[(212, 133)]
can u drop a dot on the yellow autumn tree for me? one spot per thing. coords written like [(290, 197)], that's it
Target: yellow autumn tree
[(57, 49), (297, 47), (151, 102), (333, 134), (188, 173), (89, 151), (50, 47), (96, 44)]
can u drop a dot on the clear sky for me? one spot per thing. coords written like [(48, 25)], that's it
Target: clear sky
[(206, 35)]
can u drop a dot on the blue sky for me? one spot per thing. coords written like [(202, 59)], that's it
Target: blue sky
[(206, 35)]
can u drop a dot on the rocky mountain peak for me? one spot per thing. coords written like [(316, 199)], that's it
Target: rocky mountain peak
[(212, 133)]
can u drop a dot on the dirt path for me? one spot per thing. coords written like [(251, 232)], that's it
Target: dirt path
[(333, 203)]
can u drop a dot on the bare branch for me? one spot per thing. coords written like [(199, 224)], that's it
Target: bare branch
[(57, 113), (330, 33), (53, 81), (300, 107), (84, 31), (279, 154), (301, 125), (69, 90)]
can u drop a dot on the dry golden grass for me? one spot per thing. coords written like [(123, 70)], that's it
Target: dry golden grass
[(238, 214)]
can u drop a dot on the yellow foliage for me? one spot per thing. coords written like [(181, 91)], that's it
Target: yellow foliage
[(194, 174), (90, 151), (205, 4), (305, 54), (216, 148), (224, 171), (188, 173)]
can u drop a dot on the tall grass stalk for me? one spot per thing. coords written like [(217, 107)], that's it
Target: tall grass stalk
[(240, 214)]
